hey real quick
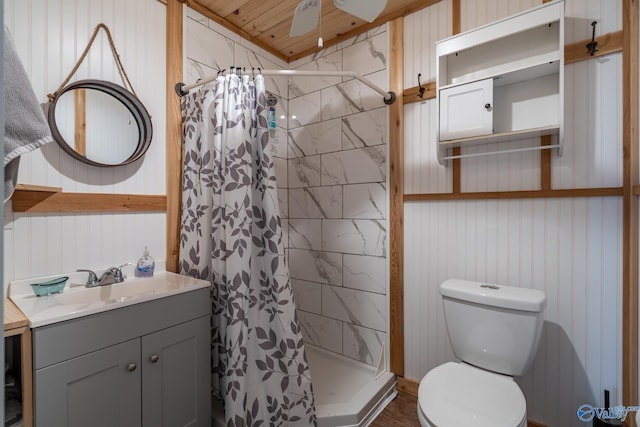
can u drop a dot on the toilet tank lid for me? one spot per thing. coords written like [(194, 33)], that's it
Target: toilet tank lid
[(509, 297)]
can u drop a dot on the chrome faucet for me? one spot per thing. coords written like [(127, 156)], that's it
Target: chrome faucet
[(110, 276)]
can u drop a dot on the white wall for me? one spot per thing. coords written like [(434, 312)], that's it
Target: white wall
[(50, 36), (569, 248)]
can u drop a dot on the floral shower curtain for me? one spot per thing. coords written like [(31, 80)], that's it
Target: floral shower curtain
[(231, 235)]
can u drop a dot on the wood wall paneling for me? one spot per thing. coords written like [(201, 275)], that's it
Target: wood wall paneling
[(396, 211), (48, 202), (534, 194)]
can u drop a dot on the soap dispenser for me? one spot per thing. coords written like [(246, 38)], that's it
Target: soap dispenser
[(145, 265)]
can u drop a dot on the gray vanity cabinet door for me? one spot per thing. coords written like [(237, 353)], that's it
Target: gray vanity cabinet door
[(98, 389), (176, 376)]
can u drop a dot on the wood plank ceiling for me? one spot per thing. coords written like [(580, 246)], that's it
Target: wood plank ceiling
[(267, 22)]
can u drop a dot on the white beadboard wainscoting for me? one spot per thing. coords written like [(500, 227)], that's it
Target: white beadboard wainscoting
[(50, 36), (569, 248)]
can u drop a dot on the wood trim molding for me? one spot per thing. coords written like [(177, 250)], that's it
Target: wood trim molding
[(456, 17), (411, 95), (396, 208), (630, 205), (48, 201), (545, 163), (533, 194), (456, 172), (407, 385), (174, 133), (607, 43), (456, 168)]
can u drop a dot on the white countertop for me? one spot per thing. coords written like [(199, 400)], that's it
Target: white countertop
[(77, 300)]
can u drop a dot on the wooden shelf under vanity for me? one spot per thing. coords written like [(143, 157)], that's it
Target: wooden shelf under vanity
[(16, 323), (41, 199)]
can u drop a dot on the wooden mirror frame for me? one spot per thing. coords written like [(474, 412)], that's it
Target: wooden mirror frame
[(129, 100)]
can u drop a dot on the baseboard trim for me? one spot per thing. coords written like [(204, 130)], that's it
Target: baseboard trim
[(410, 387)]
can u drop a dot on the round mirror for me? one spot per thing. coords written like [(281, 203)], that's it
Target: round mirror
[(100, 123)]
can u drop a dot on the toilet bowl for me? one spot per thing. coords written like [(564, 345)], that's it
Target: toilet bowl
[(494, 331), (459, 395)]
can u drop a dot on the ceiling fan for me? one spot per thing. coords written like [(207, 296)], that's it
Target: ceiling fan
[(306, 15)]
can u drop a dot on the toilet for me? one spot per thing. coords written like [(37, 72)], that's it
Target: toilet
[(494, 331)]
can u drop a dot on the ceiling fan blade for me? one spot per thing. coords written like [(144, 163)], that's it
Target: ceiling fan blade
[(363, 9), (305, 17)]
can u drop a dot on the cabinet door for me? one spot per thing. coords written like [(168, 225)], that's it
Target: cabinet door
[(99, 389), (176, 378), (466, 110)]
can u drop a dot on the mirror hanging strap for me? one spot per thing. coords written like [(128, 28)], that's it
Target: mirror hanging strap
[(121, 70)]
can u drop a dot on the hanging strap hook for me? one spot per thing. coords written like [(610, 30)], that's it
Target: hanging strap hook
[(421, 88), (591, 46)]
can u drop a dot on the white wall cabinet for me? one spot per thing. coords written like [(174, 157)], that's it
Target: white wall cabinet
[(503, 81), (466, 110)]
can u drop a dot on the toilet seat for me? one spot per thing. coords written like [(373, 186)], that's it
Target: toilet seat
[(460, 395)]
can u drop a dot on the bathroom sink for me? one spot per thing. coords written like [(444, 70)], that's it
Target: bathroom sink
[(78, 300)]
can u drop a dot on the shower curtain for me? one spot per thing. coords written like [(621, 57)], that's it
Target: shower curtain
[(231, 236)]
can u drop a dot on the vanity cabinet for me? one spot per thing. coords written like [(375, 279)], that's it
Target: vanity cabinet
[(95, 389), (503, 81), (146, 365)]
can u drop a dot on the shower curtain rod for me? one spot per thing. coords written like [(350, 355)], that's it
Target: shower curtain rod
[(389, 97)]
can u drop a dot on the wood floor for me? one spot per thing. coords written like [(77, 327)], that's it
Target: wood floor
[(401, 412)]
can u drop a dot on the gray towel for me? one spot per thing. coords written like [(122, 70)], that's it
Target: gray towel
[(25, 127)]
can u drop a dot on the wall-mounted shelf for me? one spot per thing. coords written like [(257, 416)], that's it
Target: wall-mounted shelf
[(502, 82), (40, 199)]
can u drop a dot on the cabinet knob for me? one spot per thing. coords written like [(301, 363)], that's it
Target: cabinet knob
[(487, 105), (131, 367), (154, 358)]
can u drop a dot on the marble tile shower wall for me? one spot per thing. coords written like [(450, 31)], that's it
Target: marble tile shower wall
[(337, 196)]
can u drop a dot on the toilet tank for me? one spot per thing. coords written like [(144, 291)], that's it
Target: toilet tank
[(493, 327)]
